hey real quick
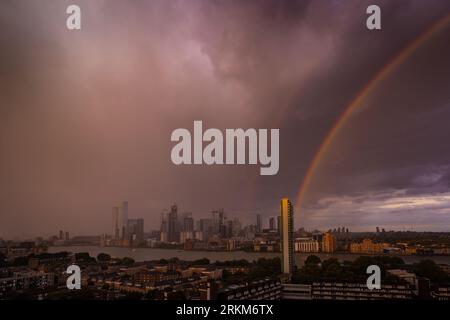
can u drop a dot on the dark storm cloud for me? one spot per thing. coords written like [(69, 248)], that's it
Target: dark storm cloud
[(87, 116), (396, 142)]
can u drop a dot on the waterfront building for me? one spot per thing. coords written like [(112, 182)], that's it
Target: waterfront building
[(329, 243), (306, 245), (287, 243)]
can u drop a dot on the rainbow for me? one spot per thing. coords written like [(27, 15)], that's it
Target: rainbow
[(358, 99)]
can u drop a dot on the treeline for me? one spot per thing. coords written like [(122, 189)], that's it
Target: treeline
[(315, 270)]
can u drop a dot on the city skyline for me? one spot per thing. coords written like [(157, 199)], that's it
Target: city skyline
[(266, 223), (87, 115)]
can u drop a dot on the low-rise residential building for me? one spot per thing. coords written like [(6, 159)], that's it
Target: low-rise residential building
[(306, 245), (368, 246), (26, 281), (266, 289)]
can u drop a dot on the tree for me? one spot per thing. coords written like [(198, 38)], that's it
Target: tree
[(127, 261), (153, 294), (83, 256), (330, 262), (201, 262), (105, 286), (176, 295), (429, 269), (307, 274), (174, 260), (20, 261), (3, 262), (133, 296), (333, 270), (312, 259), (103, 257)]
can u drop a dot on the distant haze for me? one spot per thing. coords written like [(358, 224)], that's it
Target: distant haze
[(86, 116)]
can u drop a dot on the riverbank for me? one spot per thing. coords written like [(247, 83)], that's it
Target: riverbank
[(147, 254)]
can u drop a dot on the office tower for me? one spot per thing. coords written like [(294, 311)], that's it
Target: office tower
[(214, 228), (67, 236), (219, 226), (258, 223), (222, 224), (61, 235), (279, 225), (188, 222), (230, 229), (187, 228), (172, 227), (329, 243), (237, 226), (164, 227), (135, 229), (272, 223), (124, 213), (206, 226), (287, 233), (116, 223)]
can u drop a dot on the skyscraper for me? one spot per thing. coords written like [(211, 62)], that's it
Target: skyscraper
[(135, 230), (206, 226), (279, 225), (187, 228), (124, 211), (164, 228), (287, 241), (219, 224), (172, 227), (258, 223), (272, 223), (115, 218), (188, 222)]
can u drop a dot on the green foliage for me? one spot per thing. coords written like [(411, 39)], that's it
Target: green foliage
[(127, 261), (259, 269), (83, 257), (174, 260), (349, 271), (3, 262), (152, 294), (201, 262), (103, 257), (83, 294), (312, 259), (233, 263), (132, 296), (49, 256), (176, 295), (429, 269), (105, 286), (20, 261)]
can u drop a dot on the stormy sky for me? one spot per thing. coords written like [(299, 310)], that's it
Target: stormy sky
[(86, 116)]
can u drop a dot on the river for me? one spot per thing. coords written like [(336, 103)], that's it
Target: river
[(147, 254)]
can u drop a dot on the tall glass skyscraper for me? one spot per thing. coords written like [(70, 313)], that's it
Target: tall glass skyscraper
[(287, 234)]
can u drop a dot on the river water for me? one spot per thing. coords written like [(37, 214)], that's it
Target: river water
[(147, 254)]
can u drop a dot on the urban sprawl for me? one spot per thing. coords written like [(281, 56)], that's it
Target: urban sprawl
[(27, 270)]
